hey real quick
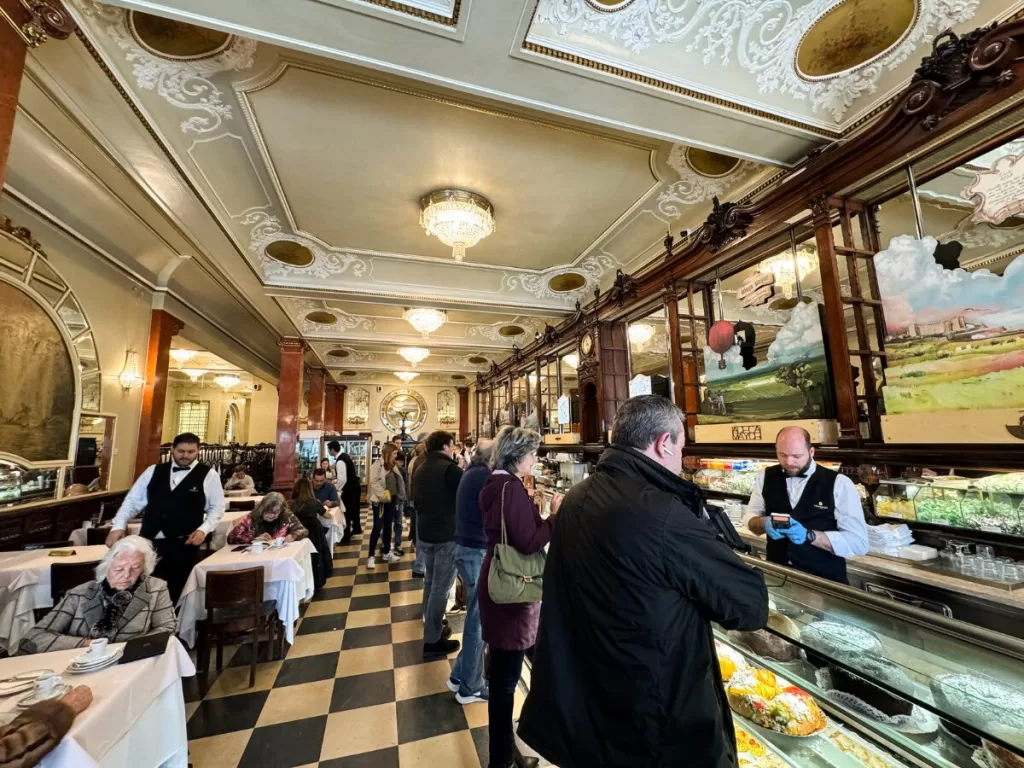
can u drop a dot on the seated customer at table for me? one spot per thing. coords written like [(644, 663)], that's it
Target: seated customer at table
[(34, 733), (240, 480), (304, 506), (270, 520), (123, 603), (325, 491)]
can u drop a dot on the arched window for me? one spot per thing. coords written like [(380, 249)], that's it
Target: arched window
[(357, 407), (231, 420)]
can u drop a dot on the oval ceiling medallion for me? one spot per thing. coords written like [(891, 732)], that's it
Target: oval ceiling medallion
[(322, 318), (171, 39), (478, 360), (348, 373), (458, 377), (851, 34), (511, 330), (338, 353), (711, 164), (566, 282), (288, 252)]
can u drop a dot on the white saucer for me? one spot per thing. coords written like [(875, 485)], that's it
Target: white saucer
[(22, 682), (58, 690), (108, 661), (88, 660)]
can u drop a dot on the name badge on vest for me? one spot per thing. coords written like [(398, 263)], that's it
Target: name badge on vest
[(820, 505), (194, 489)]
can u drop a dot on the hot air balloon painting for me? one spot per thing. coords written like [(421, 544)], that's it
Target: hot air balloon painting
[(721, 339)]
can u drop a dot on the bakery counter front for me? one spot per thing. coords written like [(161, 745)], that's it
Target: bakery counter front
[(844, 678)]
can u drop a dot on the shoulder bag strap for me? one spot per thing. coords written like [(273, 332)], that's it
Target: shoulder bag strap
[(504, 534)]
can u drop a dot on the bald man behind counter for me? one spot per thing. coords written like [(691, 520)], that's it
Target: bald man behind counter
[(826, 522)]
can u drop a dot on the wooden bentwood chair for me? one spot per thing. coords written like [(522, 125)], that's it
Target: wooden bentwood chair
[(64, 577), (235, 609)]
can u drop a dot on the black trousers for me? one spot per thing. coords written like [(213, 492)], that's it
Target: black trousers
[(505, 671), (175, 561)]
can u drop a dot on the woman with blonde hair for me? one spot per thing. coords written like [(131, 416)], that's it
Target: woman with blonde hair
[(270, 520), (383, 495)]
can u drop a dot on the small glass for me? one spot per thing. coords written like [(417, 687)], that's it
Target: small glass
[(986, 552)]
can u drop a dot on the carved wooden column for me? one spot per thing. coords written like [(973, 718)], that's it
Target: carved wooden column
[(340, 413), (330, 408), (162, 328), (835, 321), (675, 346), (289, 397), (613, 356), (315, 411), (22, 28), (464, 429)]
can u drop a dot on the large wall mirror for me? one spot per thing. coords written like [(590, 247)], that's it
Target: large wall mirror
[(403, 410)]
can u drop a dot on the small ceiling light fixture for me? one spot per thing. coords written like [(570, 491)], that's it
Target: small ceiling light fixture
[(457, 218), (129, 377), (641, 334), (414, 355), (788, 268), (194, 373), (425, 320), (226, 381), (182, 356), (573, 360), (406, 376)]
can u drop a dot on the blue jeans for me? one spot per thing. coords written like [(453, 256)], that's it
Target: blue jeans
[(399, 514), (382, 514), (417, 566), (469, 667), (439, 560)]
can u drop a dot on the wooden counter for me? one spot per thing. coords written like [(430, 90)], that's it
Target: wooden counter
[(53, 519)]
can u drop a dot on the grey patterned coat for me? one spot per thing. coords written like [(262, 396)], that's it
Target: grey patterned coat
[(69, 623)]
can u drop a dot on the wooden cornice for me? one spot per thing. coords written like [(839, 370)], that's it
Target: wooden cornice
[(962, 78)]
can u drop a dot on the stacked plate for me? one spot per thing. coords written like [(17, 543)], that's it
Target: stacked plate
[(87, 662), (23, 682)]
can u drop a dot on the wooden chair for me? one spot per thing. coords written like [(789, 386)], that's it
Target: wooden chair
[(95, 536), (235, 608), (64, 577)]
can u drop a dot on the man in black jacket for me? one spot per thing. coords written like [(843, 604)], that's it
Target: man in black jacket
[(624, 672), (434, 490)]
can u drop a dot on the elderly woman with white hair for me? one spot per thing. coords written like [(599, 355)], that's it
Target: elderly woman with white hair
[(124, 602)]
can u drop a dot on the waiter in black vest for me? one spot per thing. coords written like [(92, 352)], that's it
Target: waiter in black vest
[(183, 502), (826, 523)]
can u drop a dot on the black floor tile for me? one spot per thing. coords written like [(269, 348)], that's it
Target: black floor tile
[(406, 613), (407, 654), (231, 713), (328, 623), (243, 655), (404, 565), (341, 558), (382, 758), (368, 603), (377, 577), (407, 585), (333, 593), (196, 687), (428, 716), (349, 570), (364, 637), (285, 745), (482, 743), (360, 691), (307, 669)]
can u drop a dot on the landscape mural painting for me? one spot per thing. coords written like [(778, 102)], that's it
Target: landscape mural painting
[(955, 339), (794, 382), (37, 392)]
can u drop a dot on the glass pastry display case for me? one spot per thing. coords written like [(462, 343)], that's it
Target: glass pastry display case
[(842, 677), (993, 503)]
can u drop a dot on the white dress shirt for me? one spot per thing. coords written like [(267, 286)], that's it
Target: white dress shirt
[(851, 538), (340, 474), (137, 498)]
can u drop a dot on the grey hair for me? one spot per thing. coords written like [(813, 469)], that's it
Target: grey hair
[(484, 451), (269, 503), (643, 419), (126, 545), (511, 445)]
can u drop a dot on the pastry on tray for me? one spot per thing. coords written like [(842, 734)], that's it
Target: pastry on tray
[(729, 661), (792, 712), (834, 637), (858, 751), (769, 645), (980, 699), (862, 688), (752, 753), (749, 688)]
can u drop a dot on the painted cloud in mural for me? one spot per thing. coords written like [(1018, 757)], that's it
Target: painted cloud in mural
[(733, 363), (800, 338), (915, 289)]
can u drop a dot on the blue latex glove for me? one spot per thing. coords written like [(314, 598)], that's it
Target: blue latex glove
[(770, 532), (796, 533)]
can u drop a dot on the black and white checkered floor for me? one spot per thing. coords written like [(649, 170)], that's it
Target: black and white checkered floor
[(352, 692)]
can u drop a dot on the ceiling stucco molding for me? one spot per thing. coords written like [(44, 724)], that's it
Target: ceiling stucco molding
[(183, 84), (762, 37), (323, 349), (327, 262), (593, 268), (298, 309), (693, 188), (492, 331)]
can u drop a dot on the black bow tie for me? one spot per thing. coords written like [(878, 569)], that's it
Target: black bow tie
[(176, 468), (794, 477)]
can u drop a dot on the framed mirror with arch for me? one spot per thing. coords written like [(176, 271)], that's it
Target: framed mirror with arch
[(403, 410)]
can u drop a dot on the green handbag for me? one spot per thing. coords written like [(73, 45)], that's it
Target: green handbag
[(514, 577)]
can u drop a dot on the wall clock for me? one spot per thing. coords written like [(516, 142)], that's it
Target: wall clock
[(587, 345)]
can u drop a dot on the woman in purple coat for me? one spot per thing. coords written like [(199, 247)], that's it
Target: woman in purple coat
[(509, 628)]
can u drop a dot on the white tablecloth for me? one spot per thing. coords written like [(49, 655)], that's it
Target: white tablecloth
[(219, 540), (334, 527), (25, 586), (287, 578), (137, 716)]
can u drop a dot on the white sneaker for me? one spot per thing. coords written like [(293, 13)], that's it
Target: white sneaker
[(390, 557), (370, 563)]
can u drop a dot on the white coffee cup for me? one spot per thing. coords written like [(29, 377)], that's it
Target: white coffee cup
[(98, 647), (257, 546), (46, 685), (87, 524), (279, 542)]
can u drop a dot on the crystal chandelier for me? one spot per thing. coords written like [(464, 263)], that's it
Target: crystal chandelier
[(640, 334), (414, 355), (406, 376), (457, 218), (227, 381), (425, 320), (182, 356), (788, 269), (194, 373), (129, 376)]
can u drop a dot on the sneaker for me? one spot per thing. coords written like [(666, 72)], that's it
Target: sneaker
[(453, 684), (370, 563), (480, 697), (389, 557), (440, 648), (416, 575), (456, 610), (399, 552)]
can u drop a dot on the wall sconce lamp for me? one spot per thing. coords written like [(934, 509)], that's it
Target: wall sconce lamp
[(130, 377)]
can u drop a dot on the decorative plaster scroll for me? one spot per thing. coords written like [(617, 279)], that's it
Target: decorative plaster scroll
[(354, 355), (300, 308), (492, 332), (266, 229), (763, 35), (463, 360), (593, 268), (693, 187), (184, 84)]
